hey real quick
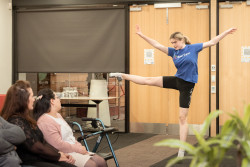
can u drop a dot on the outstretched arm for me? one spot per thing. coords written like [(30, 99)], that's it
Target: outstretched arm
[(152, 42), (216, 39)]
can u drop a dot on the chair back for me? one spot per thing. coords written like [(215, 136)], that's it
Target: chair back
[(2, 98)]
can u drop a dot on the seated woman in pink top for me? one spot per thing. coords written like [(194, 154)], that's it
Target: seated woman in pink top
[(58, 133)]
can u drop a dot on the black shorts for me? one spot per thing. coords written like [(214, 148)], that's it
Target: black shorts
[(185, 88)]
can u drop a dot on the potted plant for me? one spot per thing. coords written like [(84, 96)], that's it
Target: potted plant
[(235, 133)]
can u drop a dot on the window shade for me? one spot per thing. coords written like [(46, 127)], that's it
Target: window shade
[(70, 40)]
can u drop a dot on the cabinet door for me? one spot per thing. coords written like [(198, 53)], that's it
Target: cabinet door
[(234, 80)]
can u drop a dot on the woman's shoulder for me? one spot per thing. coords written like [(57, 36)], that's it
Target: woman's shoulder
[(44, 118), (195, 44), (14, 118), (59, 115), (19, 121)]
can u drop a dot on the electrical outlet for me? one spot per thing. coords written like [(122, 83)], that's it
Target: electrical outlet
[(213, 68), (213, 89), (213, 78), (10, 6)]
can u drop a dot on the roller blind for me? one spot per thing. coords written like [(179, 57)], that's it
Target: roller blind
[(82, 40)]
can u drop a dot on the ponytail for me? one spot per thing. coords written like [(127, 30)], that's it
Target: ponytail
[(42, 104), (186, 39), (180, 36)]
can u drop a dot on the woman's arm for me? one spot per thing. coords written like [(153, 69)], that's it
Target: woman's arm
[(52, 134), (5, 146), (152, 42), (216, 39)]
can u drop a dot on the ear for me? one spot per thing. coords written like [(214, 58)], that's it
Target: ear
[(52, 101)]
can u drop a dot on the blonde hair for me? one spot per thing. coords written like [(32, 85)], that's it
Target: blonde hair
[(179, 36)]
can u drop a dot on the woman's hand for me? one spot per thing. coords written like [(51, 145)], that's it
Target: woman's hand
[(138, 29), (84, 151), (67, 158), (71, 160), (231, 30)]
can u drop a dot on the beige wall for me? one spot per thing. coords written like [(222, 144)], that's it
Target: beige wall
[(5, 46)]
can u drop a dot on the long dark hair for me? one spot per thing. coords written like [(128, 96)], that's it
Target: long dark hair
[(42, 104), (16, 102)]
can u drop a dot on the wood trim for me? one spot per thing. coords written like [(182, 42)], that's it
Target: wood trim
[(213, 54), (25, 3)]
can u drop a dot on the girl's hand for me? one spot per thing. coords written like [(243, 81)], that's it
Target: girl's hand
[(70, 160), (231, 30), (138, 30), (84, 150), (67, 158)]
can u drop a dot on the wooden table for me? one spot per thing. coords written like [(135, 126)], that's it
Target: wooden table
[(97, 101)]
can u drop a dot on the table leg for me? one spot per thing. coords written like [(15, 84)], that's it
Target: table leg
[(97, 106), (97, 110)]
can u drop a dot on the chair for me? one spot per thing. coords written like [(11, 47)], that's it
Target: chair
[(95, 122), (2, 99)]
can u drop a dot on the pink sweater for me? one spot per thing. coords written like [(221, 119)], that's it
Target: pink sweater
[(52, 134)]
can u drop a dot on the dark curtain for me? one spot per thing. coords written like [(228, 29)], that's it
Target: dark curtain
[(75, 40)]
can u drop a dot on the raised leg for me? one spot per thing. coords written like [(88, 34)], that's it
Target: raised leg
[(151, 81)]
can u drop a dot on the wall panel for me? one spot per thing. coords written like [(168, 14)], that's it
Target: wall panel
[(157, 105), (234, 75), (5, 46)]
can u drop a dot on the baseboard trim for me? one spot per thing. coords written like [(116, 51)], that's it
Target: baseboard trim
[(173, 129), (161, 128), (154, 128)]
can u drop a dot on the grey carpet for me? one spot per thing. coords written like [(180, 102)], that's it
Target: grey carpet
[(144, 153), (118, 140), (137, 150), (227, 162)]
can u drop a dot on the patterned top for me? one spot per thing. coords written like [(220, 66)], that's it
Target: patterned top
[(34, 148)]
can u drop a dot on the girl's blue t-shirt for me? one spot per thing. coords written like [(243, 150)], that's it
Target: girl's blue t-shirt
[(185, 61)]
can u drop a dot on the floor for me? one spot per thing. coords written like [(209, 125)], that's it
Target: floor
[(138, 150)]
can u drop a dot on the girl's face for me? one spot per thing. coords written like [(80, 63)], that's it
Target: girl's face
[(177, 44), (31, 99), (57, 103)]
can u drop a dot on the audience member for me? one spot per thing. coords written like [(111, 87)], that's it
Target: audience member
[(34, 150), (58, 133)]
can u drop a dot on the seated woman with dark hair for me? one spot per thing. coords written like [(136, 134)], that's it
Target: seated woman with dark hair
[(34, 150), (58, 133)]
